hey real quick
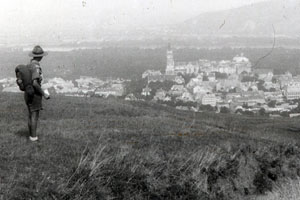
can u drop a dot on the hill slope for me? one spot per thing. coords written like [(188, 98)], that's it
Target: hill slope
[(103, 149), (253, 20)]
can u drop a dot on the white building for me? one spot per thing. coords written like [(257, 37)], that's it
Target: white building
[(264, 74), (242, 64), (195, 81), (151, 72), (202, 89), (209, 99), (237, 65), (160, 95), (292, 90), (186, 97), (177, 90), (146, 91), (225, 66)]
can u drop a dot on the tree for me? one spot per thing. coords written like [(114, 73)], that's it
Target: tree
[(272, 104), (284, 114), (245, 105), (206, 107), (232, 90), (224, 110), (248, 79), (239, 111), (249, 113), (166, 85), (262, 112), (221, 75), (205, 78), (274, 79), (135, 86), (260, 85), (187, 77)]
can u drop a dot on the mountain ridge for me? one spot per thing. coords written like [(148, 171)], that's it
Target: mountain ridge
[(251, 20)]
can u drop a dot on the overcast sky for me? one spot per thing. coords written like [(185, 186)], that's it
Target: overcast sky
[(28, 17)]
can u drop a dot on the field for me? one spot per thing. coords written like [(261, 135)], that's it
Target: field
[(92, 148)]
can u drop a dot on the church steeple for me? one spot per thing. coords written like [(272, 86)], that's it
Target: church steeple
[(169, 46), (170, 61)]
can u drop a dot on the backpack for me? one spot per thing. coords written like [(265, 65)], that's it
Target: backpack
[(24, 80)]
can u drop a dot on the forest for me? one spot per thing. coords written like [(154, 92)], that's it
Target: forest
[(131, 62)]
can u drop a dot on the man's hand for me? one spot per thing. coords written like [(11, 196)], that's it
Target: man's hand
[(46, 95)]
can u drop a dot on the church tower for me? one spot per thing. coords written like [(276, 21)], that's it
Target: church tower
[(170, 69)]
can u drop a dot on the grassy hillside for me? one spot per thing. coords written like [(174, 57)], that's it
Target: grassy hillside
[(111, 149)]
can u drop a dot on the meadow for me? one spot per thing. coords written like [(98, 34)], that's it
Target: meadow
[(93, 148)]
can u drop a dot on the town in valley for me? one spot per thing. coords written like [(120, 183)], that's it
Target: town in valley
[(225, 86)]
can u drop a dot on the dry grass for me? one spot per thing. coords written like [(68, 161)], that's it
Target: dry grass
[(111, 149), (289, 190)]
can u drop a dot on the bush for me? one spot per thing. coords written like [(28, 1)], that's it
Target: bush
[(224, 110)]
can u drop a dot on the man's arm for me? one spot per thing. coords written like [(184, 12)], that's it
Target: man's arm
[(39, 89), (36, 80)]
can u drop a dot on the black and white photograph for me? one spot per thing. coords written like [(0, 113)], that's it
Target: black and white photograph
[(150, 100)]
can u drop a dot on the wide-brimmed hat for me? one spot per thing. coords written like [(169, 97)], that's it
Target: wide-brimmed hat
[(37, 52)]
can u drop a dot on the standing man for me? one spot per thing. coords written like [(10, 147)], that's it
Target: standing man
[(29, 77)]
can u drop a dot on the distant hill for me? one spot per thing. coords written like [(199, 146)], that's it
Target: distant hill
[(251, 20)]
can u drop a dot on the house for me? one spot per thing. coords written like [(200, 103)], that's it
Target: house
[(179, 80), (274, 96), (14, 89), (225, 66), (146, 91), (245, 86), (195, 81), (211, 77), (118, 88), (250, 100), (270, 85), (61, 86), (177, 90), (208, 66), (160, 95), (131, 97), (8, 82), (167, 98), (223, 104), (198, 97), (186, 97), (185, 108), (264, 74), (151, 72), (242, 64), (161, 78), (209, 99), (292, 90), (230, 96), (110, 90), (227, 84), (86, 82), (284, 79), (294, 115), (202, 89)]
